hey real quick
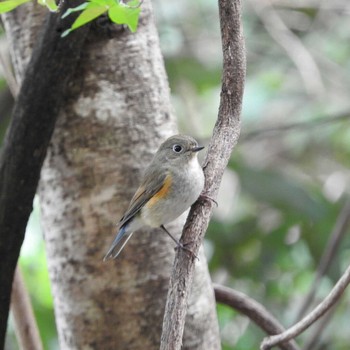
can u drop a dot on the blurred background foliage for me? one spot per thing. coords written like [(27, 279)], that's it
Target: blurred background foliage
[(288, 178)]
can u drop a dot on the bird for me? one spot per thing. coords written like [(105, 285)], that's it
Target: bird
[(171, 183)]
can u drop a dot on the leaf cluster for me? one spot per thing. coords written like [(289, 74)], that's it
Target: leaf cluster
[(118, 12)]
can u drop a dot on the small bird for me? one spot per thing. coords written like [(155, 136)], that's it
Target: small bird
[(172, 182)]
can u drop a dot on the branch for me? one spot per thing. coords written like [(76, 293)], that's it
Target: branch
[(253, 310), (50, 69), (313, 316), (26, 328), (8, 75), (293, 46), (334, 241), (225, 136), (317, 333), (302, 126), (6, 105)]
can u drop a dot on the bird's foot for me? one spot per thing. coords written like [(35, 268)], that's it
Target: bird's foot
[(183, 246), (205, 197)]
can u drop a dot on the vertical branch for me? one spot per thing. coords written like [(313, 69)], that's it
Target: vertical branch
[(296, 50), (338, 232), (225, 136), (26, 328), (33, 120)]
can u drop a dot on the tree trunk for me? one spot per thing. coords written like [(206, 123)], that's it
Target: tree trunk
[(116, 115)]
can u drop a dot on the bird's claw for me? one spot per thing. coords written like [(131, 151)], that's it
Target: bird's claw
[(183, 246), (208, 198)]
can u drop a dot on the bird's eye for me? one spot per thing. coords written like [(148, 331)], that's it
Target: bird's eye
[(177, 148)]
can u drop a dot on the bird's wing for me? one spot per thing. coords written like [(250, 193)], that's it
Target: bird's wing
[(158, 182), (153, 183)]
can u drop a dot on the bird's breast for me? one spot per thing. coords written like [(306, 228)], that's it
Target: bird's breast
[(181, 189)]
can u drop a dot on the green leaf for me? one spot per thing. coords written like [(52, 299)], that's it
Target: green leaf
[(91, 12), (66, 32), (119, 13), (107, 3), (7, 6), (75, 9), (124, 14), (50, 4)]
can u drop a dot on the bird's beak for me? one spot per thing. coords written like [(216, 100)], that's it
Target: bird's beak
[(197, 149)]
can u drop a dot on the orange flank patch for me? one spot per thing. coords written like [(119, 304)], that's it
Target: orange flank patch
[(162, 193)]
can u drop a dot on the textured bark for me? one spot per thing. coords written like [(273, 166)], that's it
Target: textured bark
[(27, 138), (117, 113), (225, 136)]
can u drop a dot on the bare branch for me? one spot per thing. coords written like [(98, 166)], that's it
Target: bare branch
[(26, 328), (295, 49), (8, 75), (315, 337), (332, 298), (336, 236), (225, 136), (49, 71), (303, 126), (253, 310)]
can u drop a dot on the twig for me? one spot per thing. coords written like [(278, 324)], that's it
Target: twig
[(336, 236), (8, 75), (292, 45), (332, 298), (25, 325), (317, 333), (303, 126), (253, 310), (225, 136)]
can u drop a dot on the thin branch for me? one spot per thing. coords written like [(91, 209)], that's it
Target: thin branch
[(314, 339), (253, 310), (25, 325), (41, 95), (303, 126), (225, 136), (8, 75), (331, 299), (339, 231), (293, 46)]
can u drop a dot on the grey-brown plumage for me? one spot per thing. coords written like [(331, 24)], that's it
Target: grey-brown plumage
[(171, 184)]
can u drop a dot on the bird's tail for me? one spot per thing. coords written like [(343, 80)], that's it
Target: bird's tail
[(121, 239)]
